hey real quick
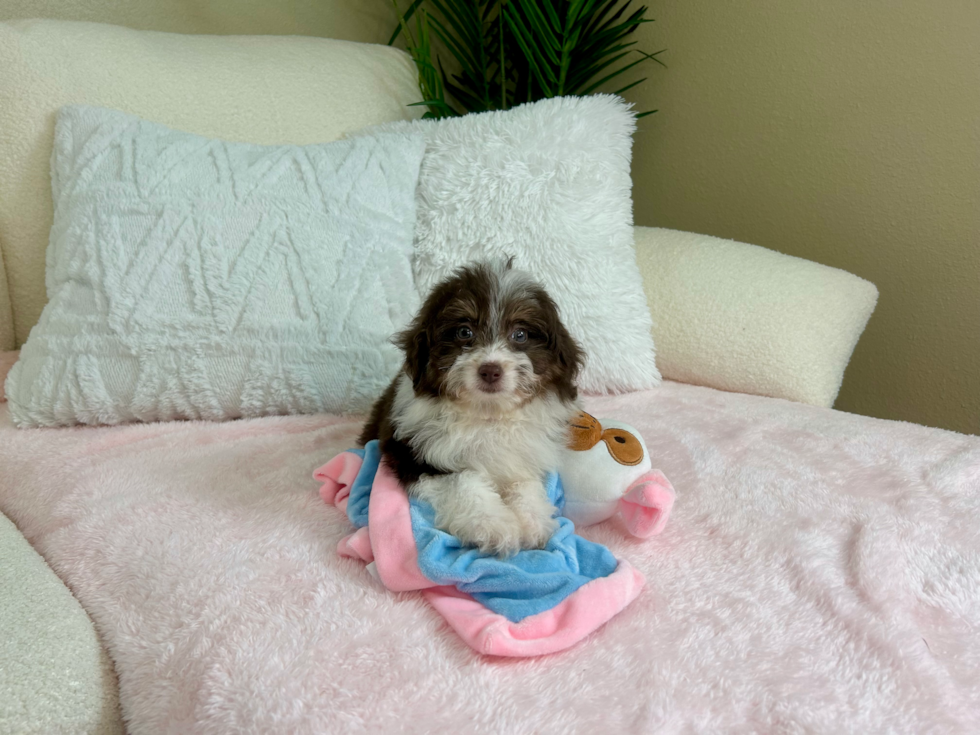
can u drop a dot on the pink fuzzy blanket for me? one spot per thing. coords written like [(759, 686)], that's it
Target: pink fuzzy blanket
[(821, 573)]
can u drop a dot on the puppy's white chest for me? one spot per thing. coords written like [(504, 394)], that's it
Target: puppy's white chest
[(509, 450), (520, 445), (480, 442)]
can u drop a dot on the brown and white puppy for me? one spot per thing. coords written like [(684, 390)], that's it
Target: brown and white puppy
[(481, 409)]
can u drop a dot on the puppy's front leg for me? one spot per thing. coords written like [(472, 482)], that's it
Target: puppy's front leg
[(529, 501), (468, 506)]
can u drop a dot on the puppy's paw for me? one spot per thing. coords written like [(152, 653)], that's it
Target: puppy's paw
[(472, 511), (537, 529), (498, 534), (534, 511)]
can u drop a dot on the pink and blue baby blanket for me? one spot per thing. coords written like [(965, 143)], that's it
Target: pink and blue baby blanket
[(536, 602)]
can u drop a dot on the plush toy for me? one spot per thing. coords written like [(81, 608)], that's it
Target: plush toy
[(606, 469)]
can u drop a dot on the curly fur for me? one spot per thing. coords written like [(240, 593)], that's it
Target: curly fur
[(477, 450)]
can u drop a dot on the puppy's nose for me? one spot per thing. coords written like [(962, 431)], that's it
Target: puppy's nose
[(490, 372)]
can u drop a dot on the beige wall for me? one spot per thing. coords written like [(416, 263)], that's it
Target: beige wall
[(844, 132), (847, 133), (354, 20)]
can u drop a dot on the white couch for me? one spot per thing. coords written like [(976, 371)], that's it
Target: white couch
[(728, 316)]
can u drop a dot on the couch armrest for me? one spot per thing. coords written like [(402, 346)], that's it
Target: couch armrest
[(746, 319), (56, 676)]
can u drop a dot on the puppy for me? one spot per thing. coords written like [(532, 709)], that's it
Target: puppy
[(481, 409)]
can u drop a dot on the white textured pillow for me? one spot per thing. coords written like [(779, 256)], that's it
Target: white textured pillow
[(254, 89), (195, 278), (549, 183)]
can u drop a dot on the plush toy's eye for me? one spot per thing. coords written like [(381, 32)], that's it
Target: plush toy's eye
[(464, 333), (519, 336), (623, 446)]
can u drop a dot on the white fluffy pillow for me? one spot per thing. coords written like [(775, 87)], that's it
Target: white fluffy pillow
[(195, 278), (549, 183)]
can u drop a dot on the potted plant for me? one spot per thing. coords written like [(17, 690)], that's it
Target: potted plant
[(501, 53)]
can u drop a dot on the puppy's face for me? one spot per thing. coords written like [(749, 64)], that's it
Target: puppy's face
[(490, 336)]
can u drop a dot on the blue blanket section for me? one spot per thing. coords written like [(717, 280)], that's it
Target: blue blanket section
[(525, 584), (360, 489)]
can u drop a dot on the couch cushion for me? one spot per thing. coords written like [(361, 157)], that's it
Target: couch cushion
[(820, 573), (257, 89)]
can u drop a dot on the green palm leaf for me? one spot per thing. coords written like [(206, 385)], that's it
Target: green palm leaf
[(505, 52)]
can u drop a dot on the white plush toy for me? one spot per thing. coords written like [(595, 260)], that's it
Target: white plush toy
[(606, 469)]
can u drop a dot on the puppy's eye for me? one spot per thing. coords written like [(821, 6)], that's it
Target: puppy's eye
[(464, 333), (519, 336)]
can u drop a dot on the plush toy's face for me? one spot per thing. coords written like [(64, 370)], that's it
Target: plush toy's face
[(600, 483), (586, 432)]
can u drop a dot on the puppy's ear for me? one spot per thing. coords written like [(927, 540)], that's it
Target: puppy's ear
[(570, 358), (414, 341), (566, 350)]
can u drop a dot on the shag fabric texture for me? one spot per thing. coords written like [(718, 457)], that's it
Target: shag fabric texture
[(548, 183), (256, 89), (820, 574), (749, 320), (195, 278), (55, 676)]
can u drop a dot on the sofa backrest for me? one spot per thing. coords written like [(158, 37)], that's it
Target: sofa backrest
[(260, 89)]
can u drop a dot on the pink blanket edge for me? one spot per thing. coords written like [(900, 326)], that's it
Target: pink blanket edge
[(389, 542)]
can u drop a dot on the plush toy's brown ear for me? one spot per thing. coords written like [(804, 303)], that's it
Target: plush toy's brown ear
[(584, 432), (623, 446)]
